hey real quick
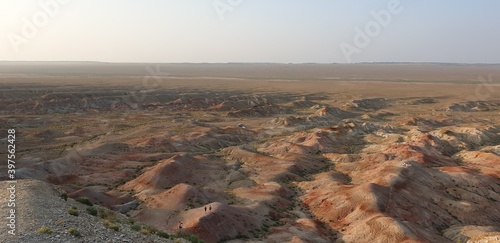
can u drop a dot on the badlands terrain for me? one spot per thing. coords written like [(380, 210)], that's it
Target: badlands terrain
[(256, 152)]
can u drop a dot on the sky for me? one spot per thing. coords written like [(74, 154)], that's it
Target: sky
[(281, 31)]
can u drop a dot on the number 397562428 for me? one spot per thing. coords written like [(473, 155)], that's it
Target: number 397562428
[(11, 153)]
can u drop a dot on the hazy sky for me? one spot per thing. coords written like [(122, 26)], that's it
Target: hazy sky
[(298, 31)]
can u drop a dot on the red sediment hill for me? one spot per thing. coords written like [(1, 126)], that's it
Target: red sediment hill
[(405, 191), (166, 174), (222, 222)]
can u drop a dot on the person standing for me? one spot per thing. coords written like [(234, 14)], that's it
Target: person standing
[(205, 209), (180, 225), (210, 207)]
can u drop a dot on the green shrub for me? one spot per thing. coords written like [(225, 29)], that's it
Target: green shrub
[(192, 238), (74, 232), (73, 211), (107, 214), (84, 200), (45, 230), (115, 227), (131, 221), (162, 234), (92, 210), (147, 230), (110, 225), (240, 236), (135, 227)]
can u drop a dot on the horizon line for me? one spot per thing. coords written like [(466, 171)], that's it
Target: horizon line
[(279, 63)]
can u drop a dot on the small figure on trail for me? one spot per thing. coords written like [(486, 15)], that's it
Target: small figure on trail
[(180, 225), (241, 125), (210, 207), (205, 209)]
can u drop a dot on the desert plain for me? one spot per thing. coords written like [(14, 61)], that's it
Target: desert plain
[(257, 152)]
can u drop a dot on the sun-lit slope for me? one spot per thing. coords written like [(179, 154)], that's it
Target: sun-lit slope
[(170, 172), (410, 191)]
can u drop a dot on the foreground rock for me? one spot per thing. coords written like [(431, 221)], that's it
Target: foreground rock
[(39, 204)]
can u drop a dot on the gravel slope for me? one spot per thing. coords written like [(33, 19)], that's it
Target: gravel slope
[(39, 204)]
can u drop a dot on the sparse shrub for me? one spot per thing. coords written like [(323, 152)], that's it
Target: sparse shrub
[(106, 223), (44, 230), (162, 234), (264, 228), (131, 221), (241, 237), (74, 232), (64, 196), (147, 230), (115, 227), (73, 211), (191, 237), (136, 227), (107, 214), (110, 225), (84, 200), (92, 210)]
